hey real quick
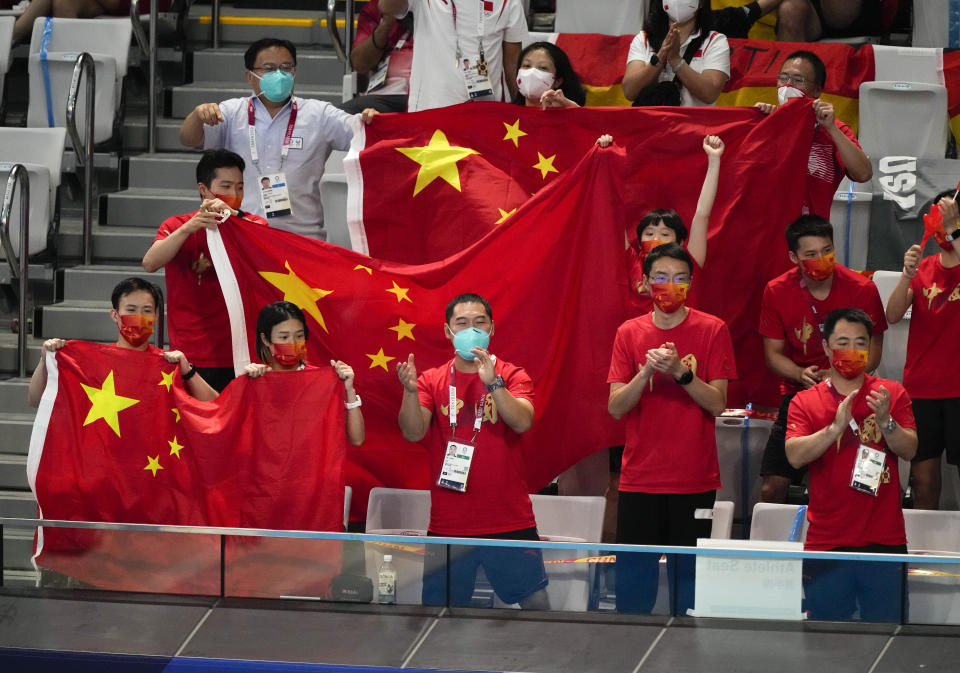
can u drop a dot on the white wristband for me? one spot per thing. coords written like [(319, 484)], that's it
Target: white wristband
[(354, 404)]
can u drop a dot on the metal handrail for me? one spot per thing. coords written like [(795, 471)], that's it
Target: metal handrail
[(83, 65), (20, 271), (138, 31), (215, 20), (334, 33), (148, 45)]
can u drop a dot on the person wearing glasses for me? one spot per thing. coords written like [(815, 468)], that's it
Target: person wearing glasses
[(668, 378), (835, 151), (282, 138)]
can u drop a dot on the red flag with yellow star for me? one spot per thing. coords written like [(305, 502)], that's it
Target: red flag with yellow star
[(118, 439), (550, 273)]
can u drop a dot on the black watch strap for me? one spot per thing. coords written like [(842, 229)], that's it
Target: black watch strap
[(654, 60), (684, 379), (953, 235), (498, 383)]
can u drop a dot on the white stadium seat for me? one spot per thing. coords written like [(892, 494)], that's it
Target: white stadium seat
[(772, 521), (6, 40), (895, 338), (722, 520), (729, 432), (608, 17), (398, 511), (108, 42), (850, 217), (41, 152), (931, 24), (903, 119), (333, 195), (934, 599)]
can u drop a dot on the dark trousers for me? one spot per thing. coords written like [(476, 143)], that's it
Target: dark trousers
[(659, 519), (834, 590)]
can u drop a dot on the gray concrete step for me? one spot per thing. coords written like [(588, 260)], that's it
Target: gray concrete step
[(18, 505), (15, 432), (146, 207), (13, 396), (17, 550), (13, 472), (314, 67), (110, 244), (8, 353), (78, 319), (185, 98), (163, 170), (95, 283), (135, 134)]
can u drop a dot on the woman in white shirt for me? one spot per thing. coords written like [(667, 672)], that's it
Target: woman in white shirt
[(658, 56)]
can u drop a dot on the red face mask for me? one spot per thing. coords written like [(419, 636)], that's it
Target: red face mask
[(819, 268), (668, 297), (288, 354), (136, 328), (649, 244), (232, 200), (849, 362), (941, 238)]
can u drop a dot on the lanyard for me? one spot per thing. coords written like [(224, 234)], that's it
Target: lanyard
[(251, 121), (453, 5), (813, 303), (477, 421)]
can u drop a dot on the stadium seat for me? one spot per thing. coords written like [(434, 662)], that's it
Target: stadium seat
[(894, 64), (333, 195), (41, 152), (729, 432), (347, 497), (903, 119), (934, 599), (773, 521), (108, 42), (398, 511), (850, 216), (722, 520), (931, 24), (6, 39), (895, 338), (608, 17), (932, 530)]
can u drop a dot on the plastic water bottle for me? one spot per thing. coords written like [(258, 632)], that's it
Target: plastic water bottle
[(387, 581)]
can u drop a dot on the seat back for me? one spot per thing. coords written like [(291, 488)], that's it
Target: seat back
[(722, 526), (608, 17), (43, 147), (932, 25), (903, 119), (398, 509), (932, 530), (573, 516), (895, 338), (772, 521), (6, 41), (730, 437), (107, 37), (40, 214), (347, 497)]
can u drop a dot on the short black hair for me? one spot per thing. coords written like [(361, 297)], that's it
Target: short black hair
[(212, 160), (272, 315), (571, 86), (467, 298), (250, 56), (848, 314), (673, 250), (135, 284), (670, 218), (819, 69), (807, 225)]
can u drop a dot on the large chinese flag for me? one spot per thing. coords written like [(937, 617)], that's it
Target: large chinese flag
[(552, 273), (425, 185), (118, 439)]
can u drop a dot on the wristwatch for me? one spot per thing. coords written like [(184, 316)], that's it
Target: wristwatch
[(654, 60), (891, 425), (953, 235), (684, 379), (497, 383), (353, 405)]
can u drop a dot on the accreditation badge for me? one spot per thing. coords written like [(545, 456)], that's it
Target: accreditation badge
[(456, 466), (868, 470), (477, 79), (274, 195)]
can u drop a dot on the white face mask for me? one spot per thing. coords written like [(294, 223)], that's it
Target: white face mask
[(533, 82), (786, 92), (680, 11)]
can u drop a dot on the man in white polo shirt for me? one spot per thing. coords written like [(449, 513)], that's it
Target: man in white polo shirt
[(284, 140), (465, 49)]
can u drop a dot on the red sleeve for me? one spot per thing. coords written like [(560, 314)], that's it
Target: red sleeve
[(836, 150), (621, 361), (367, 21), (519, 383), (771, 325), (720, 362), (798, 421), (170, 225), (900, 407), (425, 389), (870, 300)]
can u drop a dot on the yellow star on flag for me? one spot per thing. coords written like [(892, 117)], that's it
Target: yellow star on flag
[(361, 267), (175, 447), (401, 292), (106, 404), (176, 412), (153, 464), (378, 359), (404, 329), (296, 291), (167, 379), (513, 132), (437, 159), (504, 215), (545, 165)]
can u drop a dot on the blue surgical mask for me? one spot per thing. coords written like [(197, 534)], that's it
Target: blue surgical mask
[(469, 338), (276, 85)]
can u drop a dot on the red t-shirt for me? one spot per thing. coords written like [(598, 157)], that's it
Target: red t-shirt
[(671, 445), (643, 303), (934, 328), (401, 60), (825, 170), (839, 515), (788, 312), (496, 499), (200, 326)]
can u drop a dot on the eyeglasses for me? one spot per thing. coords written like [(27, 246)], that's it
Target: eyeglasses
[(289, 68), (681, 279), (798, 81)]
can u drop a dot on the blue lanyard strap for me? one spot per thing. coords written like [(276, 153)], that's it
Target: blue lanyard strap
[(45, 67)]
